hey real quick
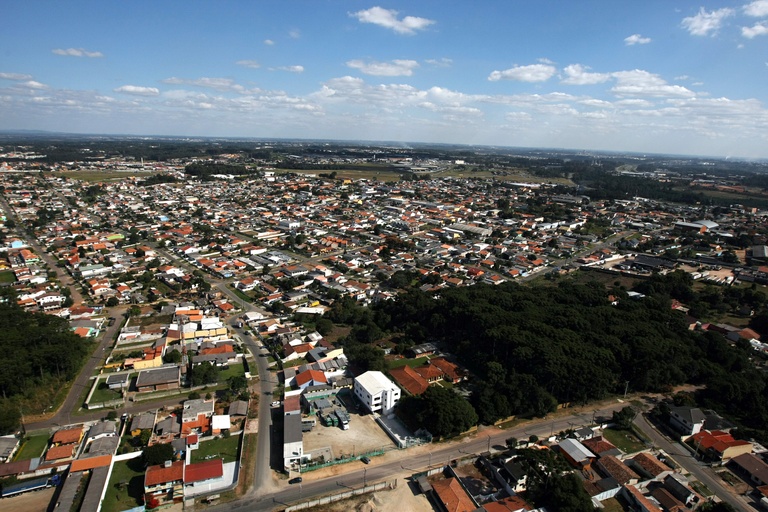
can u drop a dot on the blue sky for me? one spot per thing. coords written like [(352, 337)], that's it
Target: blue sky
[(652, 76)]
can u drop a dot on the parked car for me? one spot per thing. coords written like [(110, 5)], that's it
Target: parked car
[(296, 480), (276, 404), (365, 460)]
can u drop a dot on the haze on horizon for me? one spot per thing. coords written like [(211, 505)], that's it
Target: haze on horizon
[(654, 77)]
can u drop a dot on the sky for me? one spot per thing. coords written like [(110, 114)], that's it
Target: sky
[(657, 76)]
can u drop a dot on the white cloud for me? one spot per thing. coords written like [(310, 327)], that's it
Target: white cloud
[(576, 74), (77, 52), (758, 29), (35, 85), (137, 90), (248, 64), (756, 9), (440, 63), (636, 39), (294, 34), (219, 84), (530, 73), (387, 18), (15, 76), (269, 42), (706, 23), (292, 69), (398, 67), (642, 83)]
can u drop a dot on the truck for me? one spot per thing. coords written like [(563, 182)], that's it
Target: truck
[(30, 485)]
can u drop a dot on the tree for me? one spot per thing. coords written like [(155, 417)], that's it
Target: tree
[(623, 418), (172, 356), (204, 373), (112, 302), (441, 411), (157, 454), (238, 383), (511, 442)]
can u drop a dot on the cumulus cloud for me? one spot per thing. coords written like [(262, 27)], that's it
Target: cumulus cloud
[(530, 73), (387, 18), (576, 74), (758, 29), (15, 76), (706, 23), (77, 52), (636, 39), (398, 67), (137, 90), (756, 9), (642, 83), (269, 42), (248, 64), (34, 85), (294, 34)]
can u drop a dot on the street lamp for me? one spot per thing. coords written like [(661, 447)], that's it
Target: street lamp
[(365, 477)]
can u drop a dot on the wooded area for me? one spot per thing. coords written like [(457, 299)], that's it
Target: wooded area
[(36, 348)]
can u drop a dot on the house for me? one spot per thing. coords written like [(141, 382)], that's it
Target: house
[(576, 453), (310, 378), (376, 391), (102, 429), (118, 381), (61, 452), (648, 466), (409, 379), (220, 422), (600, 446), (196, 415), (238, 408), (687, 420), (612, 467), (718, 445), (68, 435), (452, 496), (751, 467), (143, 421), (8, 446), (508, 504), (204, 472), (168, 377), (164, 483)]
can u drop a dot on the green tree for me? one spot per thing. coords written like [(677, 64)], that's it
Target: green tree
[(157, 454)]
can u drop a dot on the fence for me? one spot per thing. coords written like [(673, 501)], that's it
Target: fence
[(326, 500), (320, 465)]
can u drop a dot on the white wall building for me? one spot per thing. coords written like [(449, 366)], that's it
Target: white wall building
[(377, 392)]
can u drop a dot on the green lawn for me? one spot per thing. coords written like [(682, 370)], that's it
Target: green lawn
[(7, 276), (32, 448), (125, 489), (624, 440), (233, 370), (295, 362), (226, 448), (399, 363), (104, 394)]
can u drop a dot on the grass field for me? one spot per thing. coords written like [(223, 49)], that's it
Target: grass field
[(624, 440), (32, 448), (104, 394), (232, 371), (399, 363), (125, 489), (95, 176), (226, 448), (7, 277)]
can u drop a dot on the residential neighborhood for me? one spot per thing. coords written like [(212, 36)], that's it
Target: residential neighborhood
[(219, 311)]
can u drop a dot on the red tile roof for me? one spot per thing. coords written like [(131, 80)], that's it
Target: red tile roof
[(407, 378), (160, 474), (60, 452), (90, 463), (66, 436), (453, 496), (310, 375), (205, 470)]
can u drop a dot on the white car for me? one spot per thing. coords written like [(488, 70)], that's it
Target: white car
[(276, 404)]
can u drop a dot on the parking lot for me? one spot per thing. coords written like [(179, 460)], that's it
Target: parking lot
[(364, 435)]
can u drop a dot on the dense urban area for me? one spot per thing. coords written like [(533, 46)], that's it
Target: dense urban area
[(208, 324)]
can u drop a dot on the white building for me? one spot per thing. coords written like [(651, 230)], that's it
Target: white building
[(377, 392)]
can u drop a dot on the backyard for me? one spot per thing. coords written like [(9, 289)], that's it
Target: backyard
[(225, 447), (33, 447), (126, 486)]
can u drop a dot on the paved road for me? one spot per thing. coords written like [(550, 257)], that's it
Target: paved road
[(63, 415), (357, 473), (683, 457)]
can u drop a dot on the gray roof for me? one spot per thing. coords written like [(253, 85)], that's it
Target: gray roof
[(7, 445), (120, 378), (575, 450), (143, 421), (102, 427), (102, 446), (292, 428), (193, 408), (238, 408), (155, 376)]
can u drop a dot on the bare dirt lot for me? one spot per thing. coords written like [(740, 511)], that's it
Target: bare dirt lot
[(36, 500), (364, 435)]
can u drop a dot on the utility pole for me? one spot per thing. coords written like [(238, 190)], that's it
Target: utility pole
[(626, 389)]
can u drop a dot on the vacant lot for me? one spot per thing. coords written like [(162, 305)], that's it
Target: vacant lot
[(125, 489), (364, 435), (37, 500)]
